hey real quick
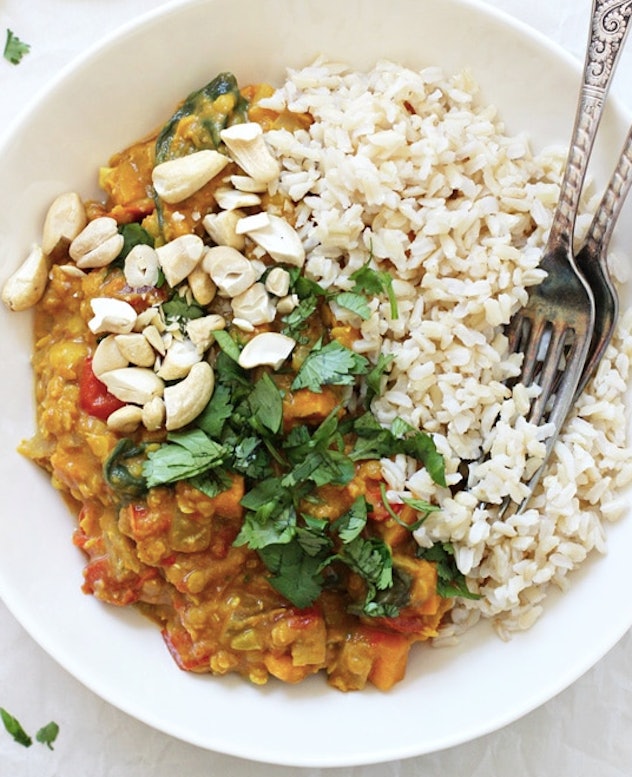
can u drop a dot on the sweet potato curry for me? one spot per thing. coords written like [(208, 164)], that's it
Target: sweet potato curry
[(206, 416)]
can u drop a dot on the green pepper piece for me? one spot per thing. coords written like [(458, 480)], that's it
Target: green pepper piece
[(206, 117)]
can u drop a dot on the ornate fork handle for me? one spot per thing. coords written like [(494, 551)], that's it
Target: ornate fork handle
[(603, 224), (609, 28)]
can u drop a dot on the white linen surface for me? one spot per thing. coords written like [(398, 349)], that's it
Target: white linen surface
[(584, 732)]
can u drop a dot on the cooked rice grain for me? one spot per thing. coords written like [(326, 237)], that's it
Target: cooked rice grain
[(412, 170)]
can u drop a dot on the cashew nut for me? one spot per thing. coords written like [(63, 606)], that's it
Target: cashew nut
[(64, 220), (136, 385), (231, 199), (98, 244), (111, 315), (154, 338), (180, 357), (202, 286), (268, 348), (136, 349), (200, 330), (280, 240), (125, 419), (246, 145), (231, 271), (247, 224), (247, 184), (254, 305), (26, 286), (141, 267), (180, 257), (278, 282), (153, 414), (222, 228), (177, 179), (185, 400), (107, 356)]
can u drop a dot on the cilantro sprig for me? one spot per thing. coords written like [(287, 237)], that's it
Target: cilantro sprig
[(14, 48)]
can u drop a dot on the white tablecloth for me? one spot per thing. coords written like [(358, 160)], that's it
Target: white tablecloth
[(585, 732)]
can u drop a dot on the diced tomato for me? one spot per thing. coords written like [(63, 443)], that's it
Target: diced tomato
[(94, 397)]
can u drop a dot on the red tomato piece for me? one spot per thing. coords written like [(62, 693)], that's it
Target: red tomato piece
[(94, 397)]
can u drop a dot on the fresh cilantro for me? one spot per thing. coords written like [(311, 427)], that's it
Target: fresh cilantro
[(227, 344), (371, 282), (371, 559), (48, 734), (351, 524), (374, 376), (330, 364), (377, 442), (450, 581), (295, 322), (295, 574), (185, 455), (260, 529), (14, 48), (219, 409), (356, 303), (14, 727), (179, 309), (266, 405), (313, 537)]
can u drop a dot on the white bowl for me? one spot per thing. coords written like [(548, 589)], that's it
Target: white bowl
[(109, 98)]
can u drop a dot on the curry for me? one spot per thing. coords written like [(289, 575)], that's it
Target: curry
[(257, 533)]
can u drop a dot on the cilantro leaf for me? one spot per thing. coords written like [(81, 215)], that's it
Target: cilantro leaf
[(371, 559), (351, 524), (376, 442), (14, 727), (374, 376), (217, 412), (179, 309), (48, 734), (260, 530), (266, 405), (296, 321), (227, 344), (331, 364), (296, 575), (185, 455), (372, 282), (356, 303), (14, 48), (450, 580)]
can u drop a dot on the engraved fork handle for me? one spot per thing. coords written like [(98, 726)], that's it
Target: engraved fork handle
[(607, 34), (608, 211)]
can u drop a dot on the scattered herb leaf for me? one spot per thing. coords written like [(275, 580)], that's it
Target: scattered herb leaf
[(330, 364), (48, 734), (14, 727), (14, 48)]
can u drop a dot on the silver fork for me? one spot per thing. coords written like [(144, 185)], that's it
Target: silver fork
[(553, 330), (592, 261)]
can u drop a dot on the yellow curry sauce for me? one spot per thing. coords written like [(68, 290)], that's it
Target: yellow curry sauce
[(177, 551)]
